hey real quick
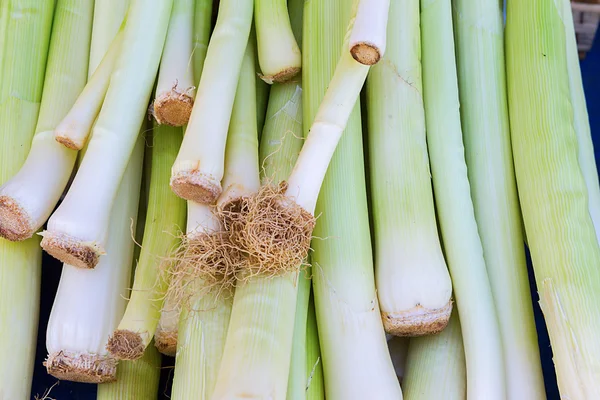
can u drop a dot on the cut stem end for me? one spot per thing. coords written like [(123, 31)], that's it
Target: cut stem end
[(365, 53), (196, 186), (68, 142), (71, 250), (173, 108), (418, 321), (166, 342), (126, 345), (15, 223), (85, 368), (282, 76)]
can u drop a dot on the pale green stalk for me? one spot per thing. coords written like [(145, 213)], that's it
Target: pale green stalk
[(165, 218), (581, 123), (484, 116), (136, 380), (202, 28), (315, 385), (553, 192), (198, 170), (435, 366), (356, 361), (30, 196), (279, 56), (460, 237), (77, 230), (108, 16), (204, 323), (24, 38), (298, 375), (413, 283)]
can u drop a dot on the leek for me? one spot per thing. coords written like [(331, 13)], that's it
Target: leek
[(278, 53), (90, 303), (355, 358), (413, 283), (435, 366), (581, 123), (484, 115), (135, 379), (201, 36), (77, 231), (165, 336), (108, 15), (461, 242), (175, 87), (553, 192), (29, 197), (74, 129), (165, 216), (197, 172), (24, 38)]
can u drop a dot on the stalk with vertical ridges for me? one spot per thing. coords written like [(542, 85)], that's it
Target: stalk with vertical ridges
[(108, 15)]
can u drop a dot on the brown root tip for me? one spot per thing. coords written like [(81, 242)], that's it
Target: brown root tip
[(272, 230), (68, 142), (365, 53), (71, 250), (196, 186), (15, 223), (418, 321), (126, 345), (166, 342), (282, 76), (173, 108), (85, 368)]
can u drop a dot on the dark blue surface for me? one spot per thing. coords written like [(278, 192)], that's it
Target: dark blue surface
[(51, 274)]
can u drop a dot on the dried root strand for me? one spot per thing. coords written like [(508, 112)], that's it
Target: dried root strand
[(272, 230)]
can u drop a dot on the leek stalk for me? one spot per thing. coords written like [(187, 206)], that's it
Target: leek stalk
[(77, 231), (165, 217), (435, 365), (24, 39), (108, 15), (484, 114), (461, 242), (355, 358), (175, 88), (197, 172), (413, 283), (90, 303), (30, 196), (552, 191)]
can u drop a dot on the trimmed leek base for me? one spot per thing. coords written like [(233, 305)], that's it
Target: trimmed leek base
[(202, 333), (136, 380), (81, 367), (175, 89), (278, 53), (165, 336), (262, 324), (435, 366)]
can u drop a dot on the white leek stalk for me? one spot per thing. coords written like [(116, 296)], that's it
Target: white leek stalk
[(164, 218), (90, 303), (355, 357), (108, 15), (552, 191), (175, 88), (29, 197), (24, 38), (77, 231), (196, 174), (484, 114), (368, 38), (75, 127), (435, 366), (413, 283), (279, 56), (460, 236), (136, 380), (581, 123)]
